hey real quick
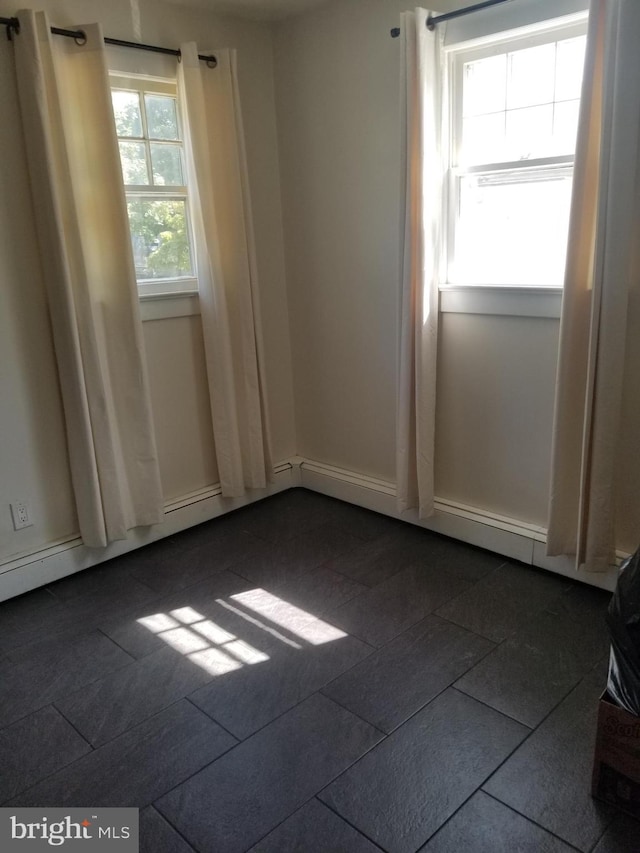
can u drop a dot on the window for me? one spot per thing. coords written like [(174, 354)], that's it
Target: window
[(148, 127), (514, 114)]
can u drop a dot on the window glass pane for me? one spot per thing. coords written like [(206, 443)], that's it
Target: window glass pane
[(166, 160), (513, 228), (529, 133), (133, 156), (162, 120), (565, 126), (160, 238), (531, 76), (570, 64), (483, 140), (484, 85), (126, 109)]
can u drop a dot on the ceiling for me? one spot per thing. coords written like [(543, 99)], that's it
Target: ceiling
[(263, 10)]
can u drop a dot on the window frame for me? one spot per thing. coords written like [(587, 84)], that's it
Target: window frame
[(521, 298), (145, 84)]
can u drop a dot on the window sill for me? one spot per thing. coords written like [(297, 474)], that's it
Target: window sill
[(162, 306), (510, 301)]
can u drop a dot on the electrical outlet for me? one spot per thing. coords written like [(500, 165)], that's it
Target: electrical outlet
[(21, 515)]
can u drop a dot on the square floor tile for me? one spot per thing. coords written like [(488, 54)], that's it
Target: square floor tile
[(26, 609), (285, 515), (104, 709), (158, 836), (504, 601), (50, 671), (137, 767), (534, 669), (379, 615), (101, 587), (247, 699), (464, 561), (363, 523), (582, 603), (399, 679), (319, 592), (401, 792), (27, 625), (244, 795), (315, 829), (285, 560), (183, 568), (35, 747), (483, 825), (371, 563), (548, 778)]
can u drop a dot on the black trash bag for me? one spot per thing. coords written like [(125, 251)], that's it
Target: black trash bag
[(623, 621)]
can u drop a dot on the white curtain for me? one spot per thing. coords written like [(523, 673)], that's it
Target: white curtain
[(423, 145), (227, 279), (603, 265), (83, 234)]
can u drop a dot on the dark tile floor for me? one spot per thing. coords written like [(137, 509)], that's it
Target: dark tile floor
[(303, 676)]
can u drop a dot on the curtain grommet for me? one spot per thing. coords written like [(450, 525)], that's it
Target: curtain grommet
[(81, 38)]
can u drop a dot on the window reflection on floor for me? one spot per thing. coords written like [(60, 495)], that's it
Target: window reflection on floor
[(218, 651)]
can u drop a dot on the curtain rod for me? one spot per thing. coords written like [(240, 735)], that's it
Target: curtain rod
[(13, 26), (447, 16)]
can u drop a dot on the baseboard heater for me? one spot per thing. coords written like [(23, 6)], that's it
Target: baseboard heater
[(509, 537)]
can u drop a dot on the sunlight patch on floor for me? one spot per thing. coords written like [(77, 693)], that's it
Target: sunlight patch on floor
[(295, 620), (202, 641), (218, 651)]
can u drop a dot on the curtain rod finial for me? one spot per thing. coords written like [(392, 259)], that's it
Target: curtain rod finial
[(13, 26), (395, 33)]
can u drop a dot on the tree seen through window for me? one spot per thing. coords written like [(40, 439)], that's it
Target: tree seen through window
[(151, 155)]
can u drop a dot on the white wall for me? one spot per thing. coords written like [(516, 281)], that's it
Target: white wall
[(180, 404), (33, 460), (496, 379), (337, 89)]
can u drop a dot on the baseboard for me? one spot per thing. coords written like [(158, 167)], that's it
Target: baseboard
[(66, 557), (509, 537)]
